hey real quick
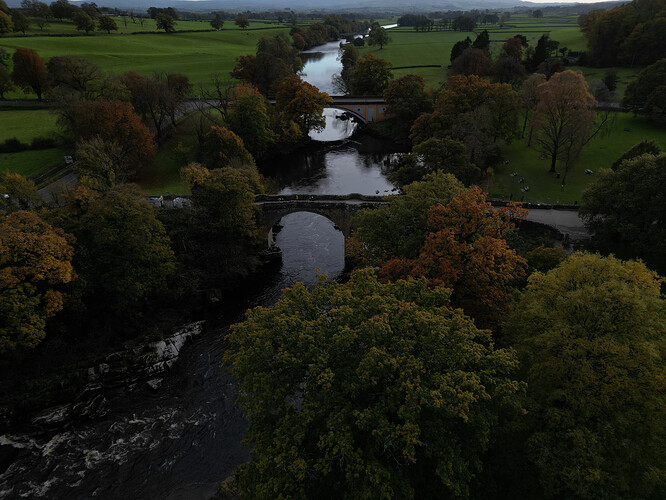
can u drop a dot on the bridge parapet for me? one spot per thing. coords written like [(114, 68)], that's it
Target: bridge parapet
[(318, 197)]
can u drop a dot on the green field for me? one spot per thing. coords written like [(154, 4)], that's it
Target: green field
[(67, 27), (601, 152), (31, 163), (26, 124), (197, 55)]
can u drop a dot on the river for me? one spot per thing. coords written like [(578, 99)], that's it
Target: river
[(180, 441)]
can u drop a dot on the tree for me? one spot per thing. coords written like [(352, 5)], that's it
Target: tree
[(249, 119), (73, 78), (302, 103), (103, 162), (589, 335), (223, 148), (407, 99), (640, 91), (17, 193), (513, 48), (165, 22), (123, 253), (528, 99), (20, 21), (378, 36), (348, 58), (217, 22), (41, 22), (242, 22), (564, 117), (482, 41), (447, 155), (35, 263), (6, 82), (625, 209), (459, 48), (370, 76), (29, 71), (400, 229), (472, 62), (6, 23), (107, 23), (114, 122), (508, 70), (84, 22), (466, 252), (61, 9), (366, 390), (644, 147)]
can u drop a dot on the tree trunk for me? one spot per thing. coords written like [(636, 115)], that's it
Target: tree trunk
[(553, 161), (527, 114)]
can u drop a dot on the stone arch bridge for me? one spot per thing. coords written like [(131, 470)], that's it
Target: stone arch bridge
[(337, 208), (366, 109)]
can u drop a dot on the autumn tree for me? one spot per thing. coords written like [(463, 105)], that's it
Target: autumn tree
[(17, 193), (107, 23), (564, 117), (370, 76), (625, 208), (35, 263), (641, 92), (466, 251), (103, 162), (114, 122), (73, 78), (29, 71), (399, 229), (123, 253), (302, 103), (529, 99), (84, 22), (472, 62), (165, 22), (223, 148), (6, 23), (513, 48), (249, 119), (589, 335), (366, 390)]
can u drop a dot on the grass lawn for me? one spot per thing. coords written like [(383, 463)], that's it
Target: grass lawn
[(601, 152), (26, 124), (196, 55), (31, 163), (625, 75)]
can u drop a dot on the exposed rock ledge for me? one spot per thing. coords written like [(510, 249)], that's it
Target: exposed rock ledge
[(119, 370)]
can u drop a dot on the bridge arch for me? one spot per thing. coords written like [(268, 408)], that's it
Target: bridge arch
[(269, 221), (355, 113)]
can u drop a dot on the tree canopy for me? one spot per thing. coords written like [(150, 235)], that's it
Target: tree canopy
[(370, 76), (590, 338), (35, 263), (366, 390), (29, 71)]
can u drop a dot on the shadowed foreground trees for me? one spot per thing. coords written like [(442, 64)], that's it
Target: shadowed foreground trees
[(367, 390), (590, 338)]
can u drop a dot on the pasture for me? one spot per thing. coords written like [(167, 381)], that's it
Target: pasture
[(26, 124), (545, 187), (31, 163)]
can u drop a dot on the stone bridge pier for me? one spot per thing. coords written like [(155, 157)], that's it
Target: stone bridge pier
[(337, 209)]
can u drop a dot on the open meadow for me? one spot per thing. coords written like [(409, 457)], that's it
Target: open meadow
[(545, 187)]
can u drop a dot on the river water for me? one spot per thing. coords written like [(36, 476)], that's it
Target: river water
[(180, 441)]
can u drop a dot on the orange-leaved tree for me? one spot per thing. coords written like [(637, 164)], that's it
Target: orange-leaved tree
[(302, 103), (466, 251), (114, 122), (223, 148), (29, 71), (35, 260)]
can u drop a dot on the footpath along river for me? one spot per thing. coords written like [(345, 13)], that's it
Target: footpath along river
[(180, 441)]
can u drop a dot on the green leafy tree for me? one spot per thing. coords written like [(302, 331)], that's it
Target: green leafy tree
[(17, 193), (35, 263), (242, 22), (407, 99), (399, 229), (29, 71), (217, 22), (165, 22), (366, 390), (102, 161), (626, 209), (6, 82), (378, 36), (223, 148), (648, 146), (6, 23), (370, 76), (646, 87), (589, 335), (302, 103), (249, 119), (123, 252), (84, 22), (107, 23), (20, 21)]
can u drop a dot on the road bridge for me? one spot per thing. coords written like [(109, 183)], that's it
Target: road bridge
[(337, 208)]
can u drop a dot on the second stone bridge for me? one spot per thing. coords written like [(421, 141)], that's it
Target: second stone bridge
[(337, 208)]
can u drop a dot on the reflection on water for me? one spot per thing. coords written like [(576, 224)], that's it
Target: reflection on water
[(340, 169), (320, 65)]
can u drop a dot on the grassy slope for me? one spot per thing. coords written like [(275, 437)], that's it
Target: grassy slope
[(601, 152), (196, 55), (31, 163)]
